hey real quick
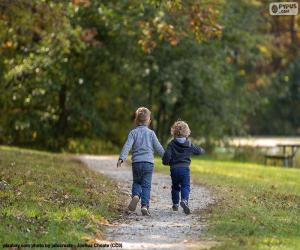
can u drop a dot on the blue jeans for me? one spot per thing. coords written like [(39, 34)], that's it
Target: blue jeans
[(180, 183), (142, 177)]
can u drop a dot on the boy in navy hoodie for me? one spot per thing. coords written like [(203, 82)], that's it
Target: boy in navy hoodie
[(178, 156)]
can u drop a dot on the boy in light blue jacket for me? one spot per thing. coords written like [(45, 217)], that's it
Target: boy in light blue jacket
[(143, 143)]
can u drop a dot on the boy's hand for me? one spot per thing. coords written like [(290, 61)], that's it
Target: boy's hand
[(119, 164)]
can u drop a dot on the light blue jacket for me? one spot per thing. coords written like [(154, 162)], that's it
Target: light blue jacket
[(143, 142)]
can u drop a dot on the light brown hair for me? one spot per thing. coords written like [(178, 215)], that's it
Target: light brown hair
[(142, 116), (180, 129)]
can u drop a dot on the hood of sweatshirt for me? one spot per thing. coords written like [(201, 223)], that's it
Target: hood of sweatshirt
[(180, 147)]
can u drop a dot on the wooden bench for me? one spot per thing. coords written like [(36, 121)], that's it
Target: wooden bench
[(287, 160), (287, 156)]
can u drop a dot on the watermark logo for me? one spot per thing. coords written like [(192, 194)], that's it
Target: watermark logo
[(283, 8)]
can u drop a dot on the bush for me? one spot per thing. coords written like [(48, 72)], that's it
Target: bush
[(251, 154), (90, 146)]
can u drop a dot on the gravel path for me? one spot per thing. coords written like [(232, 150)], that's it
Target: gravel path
[(165, 228)]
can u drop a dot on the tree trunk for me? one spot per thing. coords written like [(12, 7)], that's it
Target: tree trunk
[(160, 113), (63, 116), (293, 29)]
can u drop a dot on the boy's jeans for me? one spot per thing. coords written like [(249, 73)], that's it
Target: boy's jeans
[(180, 183), (142, 177)]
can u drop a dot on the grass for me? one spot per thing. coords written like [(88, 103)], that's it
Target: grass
[(50, 198), (258, 207)]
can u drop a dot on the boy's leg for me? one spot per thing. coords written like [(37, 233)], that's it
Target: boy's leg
[(136, 187), (185, 189), (146, 183), (175, 186), (185, 184), (136, 176)]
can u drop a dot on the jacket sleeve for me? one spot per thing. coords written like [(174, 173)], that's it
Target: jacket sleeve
[(197, 150), (167, 156), (157, 146), (127, 147)]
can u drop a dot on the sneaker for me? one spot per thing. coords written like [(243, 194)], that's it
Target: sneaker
[(145, 211), (133, 203), (185, 206), (175, 207)]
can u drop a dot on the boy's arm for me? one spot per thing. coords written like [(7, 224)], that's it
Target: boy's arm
[(197, 150), (157, 146), (127, 146), (167, 156)]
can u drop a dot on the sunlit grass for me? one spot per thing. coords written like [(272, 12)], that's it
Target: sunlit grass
[(247, 175), (51, 198), (258, 207)]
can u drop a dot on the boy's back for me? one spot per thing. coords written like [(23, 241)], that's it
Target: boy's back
[(179, 152), (143, 143)]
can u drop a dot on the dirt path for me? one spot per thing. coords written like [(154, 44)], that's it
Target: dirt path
[(165, 228)]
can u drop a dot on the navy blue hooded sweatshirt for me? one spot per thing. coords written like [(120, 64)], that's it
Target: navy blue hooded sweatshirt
[(179, 154)]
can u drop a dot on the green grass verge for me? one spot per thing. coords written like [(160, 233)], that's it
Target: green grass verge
[(50, 198), (258, 207)]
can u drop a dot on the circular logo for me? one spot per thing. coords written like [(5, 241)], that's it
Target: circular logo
[(274, 8)]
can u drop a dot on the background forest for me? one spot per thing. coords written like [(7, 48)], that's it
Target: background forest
[(73, 72)]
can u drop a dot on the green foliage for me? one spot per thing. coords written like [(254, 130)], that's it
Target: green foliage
[(78, 69), (89, 146), (283, 104), (39, 72)]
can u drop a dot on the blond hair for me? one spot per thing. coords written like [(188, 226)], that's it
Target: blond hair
[(180, 129), (142, 116)]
